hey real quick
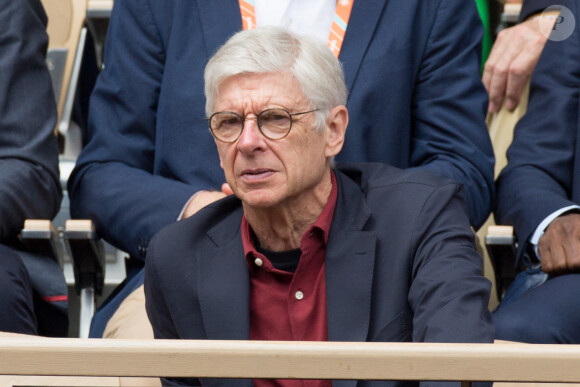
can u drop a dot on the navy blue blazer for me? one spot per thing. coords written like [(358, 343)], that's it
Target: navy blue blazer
[(400, 266), (530, 7), (415, 100), (543, 170), (29, 177)]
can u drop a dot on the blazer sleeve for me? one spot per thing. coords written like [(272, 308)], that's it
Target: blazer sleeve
[(539, 177), (29, 177), (530, 7), (449, 133), (448, 294), (114, 182)]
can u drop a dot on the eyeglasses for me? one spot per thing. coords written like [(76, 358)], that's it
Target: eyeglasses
[(274, 124)]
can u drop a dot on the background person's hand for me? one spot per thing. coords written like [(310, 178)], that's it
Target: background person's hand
[(203, 198), (200, 200), (512, 60), (226, 189), (559, 247)]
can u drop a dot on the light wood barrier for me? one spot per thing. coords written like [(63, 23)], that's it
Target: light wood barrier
[(300, 360)]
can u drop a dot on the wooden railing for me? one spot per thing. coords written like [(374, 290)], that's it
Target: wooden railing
[(299, 360)]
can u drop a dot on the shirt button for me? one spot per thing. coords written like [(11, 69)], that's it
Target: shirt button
[(288, 22), (299, 295), (258, 262)]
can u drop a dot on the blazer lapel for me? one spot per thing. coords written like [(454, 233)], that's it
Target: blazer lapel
[(219, 20), (364, 17), (224, 289), (350, 258), (224, 283)]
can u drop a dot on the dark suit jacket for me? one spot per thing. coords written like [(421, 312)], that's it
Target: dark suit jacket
[(530, 7), (29, 177), (416, 100), (400, 266), (542, 174)]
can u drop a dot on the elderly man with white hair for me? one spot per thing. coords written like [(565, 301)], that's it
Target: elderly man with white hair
[(304, 249)]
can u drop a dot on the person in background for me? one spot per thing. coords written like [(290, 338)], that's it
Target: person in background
[(29, 175), (538, 193)]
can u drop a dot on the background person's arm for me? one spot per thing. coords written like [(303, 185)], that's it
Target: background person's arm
[(117, 182), (449, 133), (29, 178), (539, 178)]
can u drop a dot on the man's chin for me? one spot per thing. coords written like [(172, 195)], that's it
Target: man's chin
[(259, 199)]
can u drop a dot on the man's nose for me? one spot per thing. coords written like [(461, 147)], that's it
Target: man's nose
[(251, 136)]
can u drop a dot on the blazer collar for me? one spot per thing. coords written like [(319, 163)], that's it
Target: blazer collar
[(223, 281), (223, 286), (350, 257), (364, 17)]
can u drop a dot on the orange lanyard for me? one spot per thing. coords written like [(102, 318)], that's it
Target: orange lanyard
[(337, 29)]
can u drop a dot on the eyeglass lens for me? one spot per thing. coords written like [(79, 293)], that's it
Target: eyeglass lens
[(273, 123)]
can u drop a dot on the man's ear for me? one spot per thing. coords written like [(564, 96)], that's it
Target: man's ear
[(336, 130)]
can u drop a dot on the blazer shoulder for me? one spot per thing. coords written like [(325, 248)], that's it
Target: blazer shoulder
[(224, 214), (392, 193), (370, 176)]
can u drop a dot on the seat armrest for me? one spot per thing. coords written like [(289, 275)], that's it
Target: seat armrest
[(88, 257), (501, 246), (41, 237), (88, 254)]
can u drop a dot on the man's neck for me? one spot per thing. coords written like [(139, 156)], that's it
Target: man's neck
[(281, 228)]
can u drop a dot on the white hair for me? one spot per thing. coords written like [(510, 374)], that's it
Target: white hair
[(275, 50)]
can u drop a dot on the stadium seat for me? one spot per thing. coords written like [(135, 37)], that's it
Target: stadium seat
[(499, 254)]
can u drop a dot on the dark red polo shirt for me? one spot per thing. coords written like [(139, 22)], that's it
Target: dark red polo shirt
[(286, 305)]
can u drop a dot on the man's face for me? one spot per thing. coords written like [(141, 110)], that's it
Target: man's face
[(263, 172)]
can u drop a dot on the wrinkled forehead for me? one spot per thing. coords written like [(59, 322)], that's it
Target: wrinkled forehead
[(259, 91)]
